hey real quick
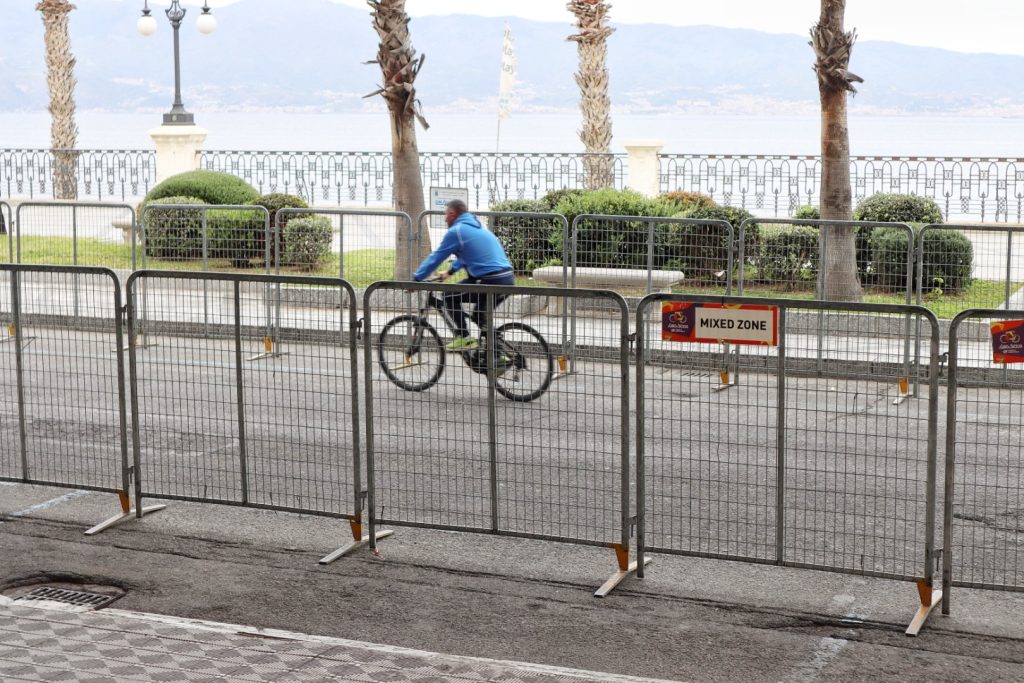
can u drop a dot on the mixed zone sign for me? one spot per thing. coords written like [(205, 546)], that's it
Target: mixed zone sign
[(720, 323)]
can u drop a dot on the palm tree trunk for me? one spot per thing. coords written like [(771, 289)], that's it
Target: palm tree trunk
[(399, 67), (592, 79), (60, 80), (832, 47)]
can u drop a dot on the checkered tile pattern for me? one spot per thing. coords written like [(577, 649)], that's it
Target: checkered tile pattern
[(101, 647)]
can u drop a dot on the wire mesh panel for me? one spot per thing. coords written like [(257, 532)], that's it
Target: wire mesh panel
[(984, 520), (224, 415), (62, 416), (781, 257), (637, 255), (76, 233), (496, 438), (201, 237), (6, 233), (359, 246), (970, 266), (810, 457)]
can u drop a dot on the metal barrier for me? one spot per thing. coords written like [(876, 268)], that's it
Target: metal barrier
[(209, 427), (482, 440), (808, 463), (76, 234), (984, 477), (7, 230), (62, 413), (979, 266)]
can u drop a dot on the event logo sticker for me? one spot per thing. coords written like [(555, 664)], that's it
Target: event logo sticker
[(719, 323), (1008, 341)]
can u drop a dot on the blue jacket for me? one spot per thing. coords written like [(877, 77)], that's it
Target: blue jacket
[(475, 247)]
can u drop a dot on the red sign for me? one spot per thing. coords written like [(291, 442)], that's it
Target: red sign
[(719, 323), (1008, 341)]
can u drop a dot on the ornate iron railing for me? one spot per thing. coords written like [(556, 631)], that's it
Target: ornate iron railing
[(101, 175), (366, 177), (966, 189)]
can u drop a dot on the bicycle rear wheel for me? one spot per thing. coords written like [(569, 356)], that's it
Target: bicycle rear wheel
[(410, 353), (526, 371)]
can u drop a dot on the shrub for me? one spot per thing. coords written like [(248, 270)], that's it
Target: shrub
[(172, 233), (787, 254), (213, 187), (613, 243), (684, 200), (527, 241), (948, 259), (735, 216), (236, 235), (807, 212), (897, 208), (554, 198), (273, 203), (307, 241)]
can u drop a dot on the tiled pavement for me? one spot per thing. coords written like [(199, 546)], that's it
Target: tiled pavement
[(112, 645)]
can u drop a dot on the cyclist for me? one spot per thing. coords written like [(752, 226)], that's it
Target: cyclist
[(478, 251)]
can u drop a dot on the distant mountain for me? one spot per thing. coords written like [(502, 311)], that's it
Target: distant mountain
[(310, 54)]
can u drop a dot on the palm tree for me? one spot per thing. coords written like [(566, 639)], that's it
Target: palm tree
[(399, 67), (60, 80), (832, 47), (592, 78)]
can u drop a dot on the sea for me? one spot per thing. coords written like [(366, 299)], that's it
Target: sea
[(937, 136)]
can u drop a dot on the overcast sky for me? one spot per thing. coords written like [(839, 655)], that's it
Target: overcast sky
[(975, 26)]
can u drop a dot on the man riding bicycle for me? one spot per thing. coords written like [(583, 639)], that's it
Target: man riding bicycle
[(478, 251)]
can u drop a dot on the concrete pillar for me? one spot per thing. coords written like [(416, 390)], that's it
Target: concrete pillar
[(644, 168), (177, 149)]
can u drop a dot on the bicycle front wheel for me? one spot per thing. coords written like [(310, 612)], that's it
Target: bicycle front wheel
[(525, 365), (410, 353)]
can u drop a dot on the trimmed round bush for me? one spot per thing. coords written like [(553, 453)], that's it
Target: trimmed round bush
[(527, 241), (897, 208), (172, 233), (685, 200), (787, 255), (213, 187), (948, 259), (620, 244), (735, 216), (237, 235), (807, 212), (307, 241), (273, 203)]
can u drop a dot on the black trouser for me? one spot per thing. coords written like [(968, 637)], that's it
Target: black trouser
[(453, 301)]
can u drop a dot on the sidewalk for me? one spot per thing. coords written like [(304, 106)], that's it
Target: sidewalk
[(43, 644)]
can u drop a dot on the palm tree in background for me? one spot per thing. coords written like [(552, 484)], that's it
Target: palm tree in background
[(399, 67), (832, 47), (592, 78), (60, 80)]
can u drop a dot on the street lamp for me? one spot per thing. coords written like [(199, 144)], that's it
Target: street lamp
[(206, 23)]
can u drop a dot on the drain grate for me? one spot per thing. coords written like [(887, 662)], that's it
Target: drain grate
[(68, 597)]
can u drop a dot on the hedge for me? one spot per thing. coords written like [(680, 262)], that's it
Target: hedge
[(948, 259), (528, 242), (307, 241), (172, 233), (788, 254), (213, 187)]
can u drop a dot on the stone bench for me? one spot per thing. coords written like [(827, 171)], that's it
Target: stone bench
[(612, 278)]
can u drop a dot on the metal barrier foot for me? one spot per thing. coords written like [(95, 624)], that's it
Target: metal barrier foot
[(140, 343), (269, 353), (930, 599), (905, 392), (354, 545), (117, 519), (726, 380), (563, 367), (625, 569)]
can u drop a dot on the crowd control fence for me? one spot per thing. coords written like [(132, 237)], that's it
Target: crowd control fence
[(6, 232), (984, 492), (804, 463), (75, 234), (483, 440), (213, 426), (62, 411)]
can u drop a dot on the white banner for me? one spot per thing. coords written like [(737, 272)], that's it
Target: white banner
[(508, 74)]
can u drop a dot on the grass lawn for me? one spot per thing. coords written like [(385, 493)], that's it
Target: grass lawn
[(366, 266)]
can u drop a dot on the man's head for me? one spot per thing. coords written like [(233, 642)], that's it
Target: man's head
[(453, 210)]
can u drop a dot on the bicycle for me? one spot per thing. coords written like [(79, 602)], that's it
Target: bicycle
[(412, 355)]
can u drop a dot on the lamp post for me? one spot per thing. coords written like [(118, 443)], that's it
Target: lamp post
[(206, 23)]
